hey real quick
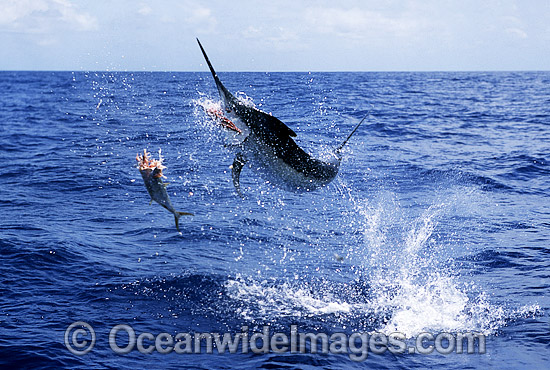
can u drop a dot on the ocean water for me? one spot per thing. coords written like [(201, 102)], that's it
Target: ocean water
[(438, 221)]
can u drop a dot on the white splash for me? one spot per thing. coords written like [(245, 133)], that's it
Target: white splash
[(411, 281), (406, 269), (269, 300)]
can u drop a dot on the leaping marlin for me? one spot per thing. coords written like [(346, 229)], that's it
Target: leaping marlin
[(267, 142)]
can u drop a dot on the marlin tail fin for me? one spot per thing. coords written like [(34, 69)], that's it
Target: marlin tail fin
[(352, 132)]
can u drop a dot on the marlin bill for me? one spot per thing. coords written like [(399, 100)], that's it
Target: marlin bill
[(266, 144)]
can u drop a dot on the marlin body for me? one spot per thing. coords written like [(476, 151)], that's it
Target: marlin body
[(151, 172), (268, 144)]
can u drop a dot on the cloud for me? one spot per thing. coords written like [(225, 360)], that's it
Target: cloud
[(358, 23), (145, 9), (198, 15), (13, 11), (517, 32), (182, 15), (71, 15), (40, 16), (252, 32), (513, 26)]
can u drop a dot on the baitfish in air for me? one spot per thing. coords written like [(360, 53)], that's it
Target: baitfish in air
[(151, 171)]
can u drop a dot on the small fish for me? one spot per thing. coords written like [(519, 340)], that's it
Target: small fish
[(218, 117), (151, 171)]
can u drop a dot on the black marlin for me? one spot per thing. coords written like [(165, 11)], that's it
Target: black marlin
[(267, 142)]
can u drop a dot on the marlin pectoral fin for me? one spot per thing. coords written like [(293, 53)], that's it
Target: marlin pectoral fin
[(236, 168), (151, 201)]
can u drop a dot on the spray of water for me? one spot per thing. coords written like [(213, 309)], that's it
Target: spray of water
[(405, 270), (408, 273)]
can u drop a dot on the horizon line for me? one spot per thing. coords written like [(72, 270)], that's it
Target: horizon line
[(280, 71)]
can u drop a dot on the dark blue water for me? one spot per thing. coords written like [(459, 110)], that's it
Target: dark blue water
[(438, 221)]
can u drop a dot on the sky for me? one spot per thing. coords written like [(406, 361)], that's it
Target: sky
[(286, 35)]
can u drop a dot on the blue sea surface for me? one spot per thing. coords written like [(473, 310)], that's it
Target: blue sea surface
[(438, 221)]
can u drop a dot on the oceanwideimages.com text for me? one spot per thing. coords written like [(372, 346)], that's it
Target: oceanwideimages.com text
[(80, 339)]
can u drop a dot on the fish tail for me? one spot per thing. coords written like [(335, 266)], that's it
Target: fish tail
[(177, 216), (353, 132)]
